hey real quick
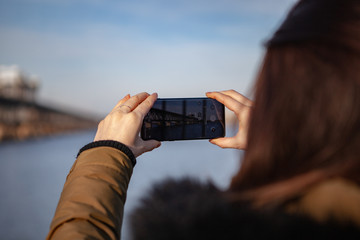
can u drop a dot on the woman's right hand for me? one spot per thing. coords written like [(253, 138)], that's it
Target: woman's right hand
[(241, 106)]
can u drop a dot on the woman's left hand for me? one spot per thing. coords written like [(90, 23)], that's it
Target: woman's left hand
[(241, 106), (124, 122)]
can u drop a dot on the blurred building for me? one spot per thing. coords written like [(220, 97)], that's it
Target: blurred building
[(22, 117), (14, 84)]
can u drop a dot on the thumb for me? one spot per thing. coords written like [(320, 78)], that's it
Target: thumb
[(149, 145), (228, 142)]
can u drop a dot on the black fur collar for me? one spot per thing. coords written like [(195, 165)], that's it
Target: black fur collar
[(187, 209)]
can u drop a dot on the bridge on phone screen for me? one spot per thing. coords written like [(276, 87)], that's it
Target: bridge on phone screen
[(159, 115)]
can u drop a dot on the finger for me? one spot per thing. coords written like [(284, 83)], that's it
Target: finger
[(135, 100), (121, 102), (144, 107), (231, 93), (238, 97), (228, 101)]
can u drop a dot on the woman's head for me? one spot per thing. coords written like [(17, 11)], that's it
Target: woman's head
[(305, 124)]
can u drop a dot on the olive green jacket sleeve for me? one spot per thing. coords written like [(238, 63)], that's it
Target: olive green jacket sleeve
[(92, 201)]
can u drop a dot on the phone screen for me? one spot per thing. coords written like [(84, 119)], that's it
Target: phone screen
[(184, 119)]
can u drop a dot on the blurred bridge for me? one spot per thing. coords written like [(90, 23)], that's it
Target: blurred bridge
[(20, 119)]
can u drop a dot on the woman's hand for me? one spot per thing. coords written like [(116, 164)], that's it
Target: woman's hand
[(241, 106), (124, 122)]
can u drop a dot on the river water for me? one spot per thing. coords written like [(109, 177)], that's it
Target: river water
[(33, 172)]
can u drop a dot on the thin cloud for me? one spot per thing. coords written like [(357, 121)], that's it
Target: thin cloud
[(176, 48)]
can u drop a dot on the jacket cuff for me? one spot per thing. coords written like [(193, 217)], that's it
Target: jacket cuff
[(113, 144)]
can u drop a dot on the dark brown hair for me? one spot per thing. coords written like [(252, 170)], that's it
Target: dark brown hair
[(305, 125)]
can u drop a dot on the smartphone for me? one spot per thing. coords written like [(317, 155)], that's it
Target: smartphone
[(173, 119)]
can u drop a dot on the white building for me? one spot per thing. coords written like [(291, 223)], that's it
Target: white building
[(14, 84)]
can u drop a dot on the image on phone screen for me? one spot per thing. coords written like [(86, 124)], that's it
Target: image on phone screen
[(184, 119)]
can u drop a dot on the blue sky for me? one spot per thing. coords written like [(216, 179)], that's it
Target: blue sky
[(90, 53)]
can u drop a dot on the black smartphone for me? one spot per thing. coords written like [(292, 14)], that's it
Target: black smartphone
[(184, 119)]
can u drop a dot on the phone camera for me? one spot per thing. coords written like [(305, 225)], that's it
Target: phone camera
[(213, 129)]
